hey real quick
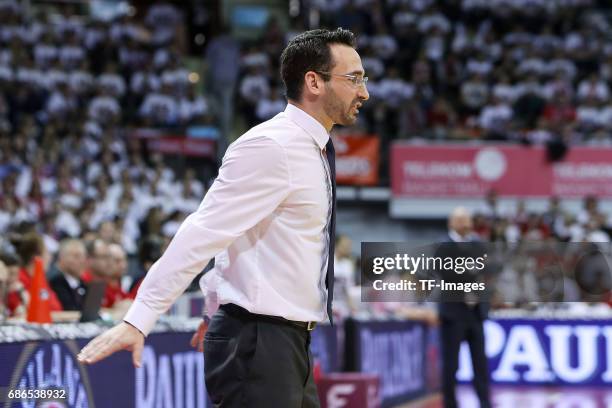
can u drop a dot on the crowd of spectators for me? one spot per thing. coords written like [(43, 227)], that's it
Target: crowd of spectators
[(70, 272), (495, 223), (520, 70), (551, 256), (71, 88), (77, 265), (86, 70)]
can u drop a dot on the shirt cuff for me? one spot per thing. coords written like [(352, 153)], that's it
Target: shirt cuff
[(141, 316)]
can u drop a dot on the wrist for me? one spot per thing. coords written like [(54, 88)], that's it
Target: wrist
[(130, 324)]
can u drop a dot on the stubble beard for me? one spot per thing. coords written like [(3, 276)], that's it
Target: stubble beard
[(335, 109)]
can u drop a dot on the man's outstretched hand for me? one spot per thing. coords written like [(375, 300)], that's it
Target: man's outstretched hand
[(121, 337), (197, 341)]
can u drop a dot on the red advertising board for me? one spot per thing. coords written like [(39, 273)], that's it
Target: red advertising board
[(161, 141), (357, 159), (470, 171), (183, 146), (349, 390)]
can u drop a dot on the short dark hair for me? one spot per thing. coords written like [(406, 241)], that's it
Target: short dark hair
[(310, 51)]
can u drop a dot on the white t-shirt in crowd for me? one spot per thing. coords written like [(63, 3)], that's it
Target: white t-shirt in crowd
[(394, 91), (71, 55), (495, 117), (267, 108), (80, 81), (483, 68), (435, 20), (592, 116), (598, 90), (434, 47), (93, 37), (159, 106), (384, 45), (113, 83), (254, 87), (102, 108), (192, 108), (255, 59), (373, 66), (143, 82), (505, 92)]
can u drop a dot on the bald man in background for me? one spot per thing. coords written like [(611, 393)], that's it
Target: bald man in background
[(68, 284), (461, 318), (119, 264)]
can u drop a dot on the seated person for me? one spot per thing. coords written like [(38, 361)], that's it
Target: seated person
[(68, 285)]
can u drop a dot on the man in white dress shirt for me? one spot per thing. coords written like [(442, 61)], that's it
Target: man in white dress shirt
[(269, 221)]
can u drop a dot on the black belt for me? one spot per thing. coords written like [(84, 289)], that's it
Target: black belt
[(241, 312)]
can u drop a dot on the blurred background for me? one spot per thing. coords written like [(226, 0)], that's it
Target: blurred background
[(115, 115)]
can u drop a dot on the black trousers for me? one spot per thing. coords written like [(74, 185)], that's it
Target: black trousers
[(452, 332), (257, 363)]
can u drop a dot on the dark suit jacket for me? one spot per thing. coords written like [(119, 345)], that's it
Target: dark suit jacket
[(452, 305), (71, 299)]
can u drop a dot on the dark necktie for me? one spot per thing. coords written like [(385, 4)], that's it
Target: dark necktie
[(329, 278)]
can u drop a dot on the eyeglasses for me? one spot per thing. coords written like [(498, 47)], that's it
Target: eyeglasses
[(355, 79)]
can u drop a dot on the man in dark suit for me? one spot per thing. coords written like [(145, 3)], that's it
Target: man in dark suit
[(67, 284), (461, 314)]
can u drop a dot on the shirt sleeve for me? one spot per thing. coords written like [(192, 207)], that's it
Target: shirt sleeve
[(253, 180)]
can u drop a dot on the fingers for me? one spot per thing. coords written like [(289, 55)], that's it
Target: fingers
[(202, 332), (203, 328), (197, 340), (194, 340), (137, 354), (104, 351), (89, 350), (121, 337), (99, 348)]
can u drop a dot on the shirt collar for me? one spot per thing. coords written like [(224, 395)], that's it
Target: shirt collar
[(72, 281), (308, 123), (456, 237)]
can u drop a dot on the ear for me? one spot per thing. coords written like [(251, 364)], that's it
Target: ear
[(313, 83)]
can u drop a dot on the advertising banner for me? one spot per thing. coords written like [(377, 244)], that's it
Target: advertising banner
[(357, 159), (179, 142), (37, 358), (551, 352), (395, 351), (183, 146), (171, 375), (346, 390), (456, 171)]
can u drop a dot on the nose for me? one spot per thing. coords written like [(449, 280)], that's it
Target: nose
[(363, 93)]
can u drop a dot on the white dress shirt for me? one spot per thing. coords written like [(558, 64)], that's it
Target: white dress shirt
[(264, 219)]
